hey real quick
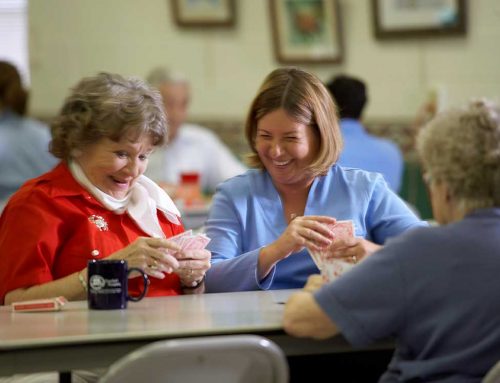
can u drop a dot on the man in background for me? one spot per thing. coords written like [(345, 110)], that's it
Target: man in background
[(190, 148), (361, 149)]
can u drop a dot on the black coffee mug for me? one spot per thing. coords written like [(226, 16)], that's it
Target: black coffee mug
[(108, 284)]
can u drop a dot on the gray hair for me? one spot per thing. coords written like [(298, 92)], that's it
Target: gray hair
[(160, 75), (107, 106), (461, 147)]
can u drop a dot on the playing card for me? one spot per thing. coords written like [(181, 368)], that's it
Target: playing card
[(196, 242), (189, 241), (334, 267), (341, 230)]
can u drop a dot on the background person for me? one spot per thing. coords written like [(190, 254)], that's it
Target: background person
[(24, 142), (361, 149), (96, 203), (190, 147), (436, 289), (262, 221)]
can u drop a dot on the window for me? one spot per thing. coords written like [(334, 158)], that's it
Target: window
[(14, 35)]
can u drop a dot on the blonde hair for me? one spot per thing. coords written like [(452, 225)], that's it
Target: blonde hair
[(461, 147), (306, 100), (107, 106)]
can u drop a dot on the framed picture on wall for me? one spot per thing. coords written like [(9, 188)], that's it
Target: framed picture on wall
[(409, 18), (306, 31), (204, 13)]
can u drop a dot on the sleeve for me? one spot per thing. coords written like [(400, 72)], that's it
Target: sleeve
[(224, 164), (30, 232), (232, 269), (387, 214), (369, 302)]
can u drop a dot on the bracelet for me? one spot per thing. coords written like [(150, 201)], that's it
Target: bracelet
[(195, 286), (82, 280)]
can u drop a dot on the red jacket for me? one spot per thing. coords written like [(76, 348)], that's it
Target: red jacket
[(48, 230)]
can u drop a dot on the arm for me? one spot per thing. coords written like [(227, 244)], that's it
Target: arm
[(145, 253), (303, 317), (307, 231), (244, 246)]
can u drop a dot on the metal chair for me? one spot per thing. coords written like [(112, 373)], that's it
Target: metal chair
[(226, 358), (493, 375)]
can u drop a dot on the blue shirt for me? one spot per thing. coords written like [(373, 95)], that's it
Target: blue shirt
[(437, 290), (24, 151), (247, 214), (367, 152)]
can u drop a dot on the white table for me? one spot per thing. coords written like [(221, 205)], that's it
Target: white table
[(78, 338)]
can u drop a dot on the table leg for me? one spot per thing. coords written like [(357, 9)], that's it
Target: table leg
[(65, 377)]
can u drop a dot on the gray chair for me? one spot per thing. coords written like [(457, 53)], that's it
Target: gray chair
[(226, 358), (493, 376)]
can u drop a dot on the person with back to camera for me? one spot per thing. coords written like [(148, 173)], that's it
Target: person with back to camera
[(24, 142), (97, 204), (361, 149), (191, 148), (261, 222), (435, 289)]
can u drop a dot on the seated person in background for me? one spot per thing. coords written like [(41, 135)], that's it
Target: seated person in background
[(361, 149), (262, 221), (190, 148), (436, 289), (96, 204), (24, 142)]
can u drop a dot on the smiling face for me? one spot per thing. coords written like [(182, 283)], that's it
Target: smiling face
[(286, 148), (113, 167)]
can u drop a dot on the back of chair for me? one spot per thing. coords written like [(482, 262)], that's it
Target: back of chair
[(493, 376), (226, 358)]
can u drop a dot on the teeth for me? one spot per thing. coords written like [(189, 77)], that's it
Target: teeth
[(280, 163)]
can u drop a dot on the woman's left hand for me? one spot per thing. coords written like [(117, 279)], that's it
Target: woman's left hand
[(352, 250), (193, 264)]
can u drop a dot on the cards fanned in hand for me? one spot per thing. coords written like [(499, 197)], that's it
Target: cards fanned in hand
[(330, 267), (189, 241)]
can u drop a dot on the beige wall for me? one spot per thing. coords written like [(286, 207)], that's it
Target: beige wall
[(73, 38)]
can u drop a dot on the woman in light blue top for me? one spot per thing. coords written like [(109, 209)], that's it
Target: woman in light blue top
[(24, 142), (262, 222)]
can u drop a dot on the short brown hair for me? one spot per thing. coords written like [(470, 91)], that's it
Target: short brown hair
[(461, 147), (306, 100), (107, 106)]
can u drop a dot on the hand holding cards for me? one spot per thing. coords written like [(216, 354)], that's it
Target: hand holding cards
[(193, 262), (189, 241), (329, 266)]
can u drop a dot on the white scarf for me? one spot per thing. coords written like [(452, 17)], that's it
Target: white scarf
[(141, 202)]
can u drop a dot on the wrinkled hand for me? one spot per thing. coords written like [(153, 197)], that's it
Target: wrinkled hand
[(193, 264), (314, 282), (304, 231), (152, 255), (352, 250)]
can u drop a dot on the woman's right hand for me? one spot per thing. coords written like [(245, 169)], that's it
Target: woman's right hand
[(304, 231), (152, 255)]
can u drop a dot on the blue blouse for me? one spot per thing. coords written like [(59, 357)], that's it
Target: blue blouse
[(247, 214)]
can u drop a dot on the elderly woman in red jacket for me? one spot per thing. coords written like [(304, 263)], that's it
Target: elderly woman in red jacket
[(97, 203)]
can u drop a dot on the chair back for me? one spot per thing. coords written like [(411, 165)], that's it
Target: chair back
[(493, 376), (226, 358)]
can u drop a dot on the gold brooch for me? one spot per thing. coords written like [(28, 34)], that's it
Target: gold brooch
[(97, 220)]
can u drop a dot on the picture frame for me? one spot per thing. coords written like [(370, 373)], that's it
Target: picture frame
[(204, 13), (411, 18), (306, 31)]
